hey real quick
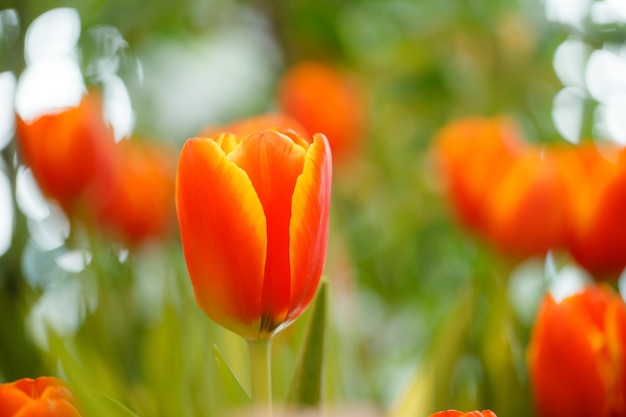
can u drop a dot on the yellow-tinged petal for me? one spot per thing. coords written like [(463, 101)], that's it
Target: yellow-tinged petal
[(48, 408), (273, 163), (223, 233), (308, 231)]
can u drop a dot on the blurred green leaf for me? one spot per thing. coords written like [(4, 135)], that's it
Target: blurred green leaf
[(306, 387), (227, 385), (424, 394), (105, 405)]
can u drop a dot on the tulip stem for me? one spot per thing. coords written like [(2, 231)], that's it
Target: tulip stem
[(261, 373)]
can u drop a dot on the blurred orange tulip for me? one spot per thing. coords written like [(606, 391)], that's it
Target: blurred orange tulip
[(577, 355), (472, 155), (324, 100), (41, 397), (253, 216), (135, 198), (65, 150), (275, 121), (526, 215), (597, 198), (455, 413)]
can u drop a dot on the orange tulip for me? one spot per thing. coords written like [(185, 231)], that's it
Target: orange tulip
[(526, 215), (65, 150), (135, 199), (253, 216), (597, 195), (41, 397), (472, 155), (577, 355), (324, 100), (455, 413)]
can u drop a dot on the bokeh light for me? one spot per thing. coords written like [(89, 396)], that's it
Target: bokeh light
[(7, 218), (7, 121), (53, 79)]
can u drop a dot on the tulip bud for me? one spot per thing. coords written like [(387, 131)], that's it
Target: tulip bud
[(253, 216), (525, 214), (324, 100), (41, 397), (577, 355), (65, 150), (472, 155), (597, 198), (134, 200)]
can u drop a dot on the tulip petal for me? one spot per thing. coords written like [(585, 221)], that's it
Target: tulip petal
[(223, 232), (565, 372), (48, 408), (27, 386), (66, 149), (273, 163), (616, 345), (308, 231), (12, 399)]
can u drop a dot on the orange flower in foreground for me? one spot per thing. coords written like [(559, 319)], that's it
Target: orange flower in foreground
[(324, 100), (577, 355), (472, 155), (253, 216), (135, 199), (455, 413), (65, 150), (41, 397)]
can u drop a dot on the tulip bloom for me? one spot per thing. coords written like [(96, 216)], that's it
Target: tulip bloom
[(41, 397), (597, 197), (472, 154), (325, 101), (455, 413), (135, 198), (65, 150), (253, 216), (577, 355), (525, 214)]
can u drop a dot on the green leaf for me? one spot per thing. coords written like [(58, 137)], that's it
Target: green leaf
[(307, 383), (103, 405), (424, 393), (227, 385), (89, 377)]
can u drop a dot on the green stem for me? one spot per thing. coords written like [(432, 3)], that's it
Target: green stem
[(261, 373)]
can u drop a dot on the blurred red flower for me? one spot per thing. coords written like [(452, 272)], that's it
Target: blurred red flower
[(65, 150), (325, 100), (526, 214), (577, 355), (472, 155), (253, 217), (134, 200), (41, 397), (279, 122), (597, 200)]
